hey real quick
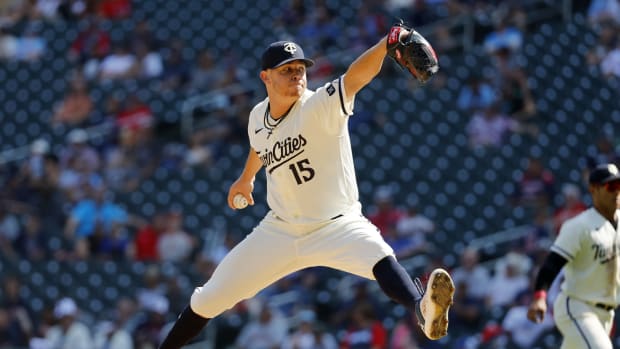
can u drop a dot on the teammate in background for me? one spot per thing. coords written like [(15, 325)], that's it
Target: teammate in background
[(302, 140), (587, 248)]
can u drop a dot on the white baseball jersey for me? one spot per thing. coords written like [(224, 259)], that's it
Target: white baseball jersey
[(590, 244), (307, 155)]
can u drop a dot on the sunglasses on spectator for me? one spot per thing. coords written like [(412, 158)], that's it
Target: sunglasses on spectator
[(612, 186)]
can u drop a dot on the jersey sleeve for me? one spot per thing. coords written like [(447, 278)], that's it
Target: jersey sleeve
[(330, 105), (568, 242)]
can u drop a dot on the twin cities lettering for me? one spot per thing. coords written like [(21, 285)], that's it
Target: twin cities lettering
[(604, 254), (282, 150)]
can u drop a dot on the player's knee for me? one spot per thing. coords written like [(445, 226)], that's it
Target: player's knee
[(208, 303)]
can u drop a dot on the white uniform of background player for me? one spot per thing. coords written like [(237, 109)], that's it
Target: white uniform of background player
[(587, 248)]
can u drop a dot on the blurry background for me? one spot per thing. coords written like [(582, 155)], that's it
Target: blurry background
[(123, 123)]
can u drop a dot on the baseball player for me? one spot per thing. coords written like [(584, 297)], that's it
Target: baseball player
[(587, 249), (300, 138)]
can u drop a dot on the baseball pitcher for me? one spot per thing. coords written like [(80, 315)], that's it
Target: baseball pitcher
[(300, 138)]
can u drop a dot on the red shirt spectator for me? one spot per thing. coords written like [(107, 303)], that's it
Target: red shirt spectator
[(136, 115), (92, 42), (114, 9), (147, 239), (386, 216)]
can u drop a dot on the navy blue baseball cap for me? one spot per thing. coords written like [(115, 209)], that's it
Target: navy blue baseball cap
[(604, 173), (282, 52)]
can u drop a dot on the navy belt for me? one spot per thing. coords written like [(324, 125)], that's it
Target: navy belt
[(605, 306)]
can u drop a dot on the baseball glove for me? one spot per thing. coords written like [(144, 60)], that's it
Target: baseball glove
[(412, 52)]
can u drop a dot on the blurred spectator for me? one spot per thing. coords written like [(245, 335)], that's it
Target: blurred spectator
[(122, 169), (198, 153), (520, 331), (420, 13), (8, 45), (91, 43), (32, 241), (79, 163), (605, 43), (352, 295), (206, 73), (539, 232), (118, 64), (503, 36), (71, 10), (364, 330), (175, 244), (143, 34), (472, 273), (110, 336), (11, 12), (130, 161), (151, 294), (610, 64), (148, 63), (149, 332), (510, 80), (9, 231), (177, 70), (371, 24), (309, 334), (116, 333), (490, 127), (510, 279), (411, 231), (79, 150), (293, 13), (468, 311), (114, 9), (535, 187), (267, 330), (229, 324), (444, 42), (135, 114), (110, 244), (603, 12), (571, 205), (16, 323), (600, 152), (147, 239), (69, 332), (47, 9), (31, 45), (406, 334), (384, 214), (93, 219), (76, 105), (477, 94)]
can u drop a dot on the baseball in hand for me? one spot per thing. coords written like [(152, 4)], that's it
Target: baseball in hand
[(240, 202)]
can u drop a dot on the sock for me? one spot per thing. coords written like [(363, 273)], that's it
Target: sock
[(187, 326), (396, 283)]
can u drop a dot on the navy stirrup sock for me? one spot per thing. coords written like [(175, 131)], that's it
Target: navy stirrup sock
[(395, 282), (187, 326)]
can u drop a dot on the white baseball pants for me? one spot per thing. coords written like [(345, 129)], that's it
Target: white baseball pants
[(582, 324), (275, 249)]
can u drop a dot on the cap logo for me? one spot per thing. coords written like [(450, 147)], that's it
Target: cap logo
[(612, 169), (290, 48)]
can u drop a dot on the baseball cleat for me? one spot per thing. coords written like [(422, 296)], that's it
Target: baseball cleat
[(432, 309)]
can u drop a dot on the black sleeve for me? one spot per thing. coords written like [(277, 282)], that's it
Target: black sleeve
[(549, 270)]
